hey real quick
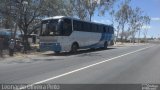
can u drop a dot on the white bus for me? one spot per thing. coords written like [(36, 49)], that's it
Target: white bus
[(61, 33)]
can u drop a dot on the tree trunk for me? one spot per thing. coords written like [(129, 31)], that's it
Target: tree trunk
[(146, 31), (133, 38), (122, 33), (15, 32), (117, 36), (26, 43)]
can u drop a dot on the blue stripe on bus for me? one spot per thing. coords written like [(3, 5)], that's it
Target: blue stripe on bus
[(50, 46), (100, 43)]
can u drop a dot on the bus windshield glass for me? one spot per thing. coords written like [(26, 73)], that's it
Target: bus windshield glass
[(56, 27), (50, 28)]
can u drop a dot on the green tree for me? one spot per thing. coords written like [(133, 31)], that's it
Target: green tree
[(25, 13), (146, 23), (5, 12), (80, 9), (85, 9), (122, 16), (53, 7), (135, 22)]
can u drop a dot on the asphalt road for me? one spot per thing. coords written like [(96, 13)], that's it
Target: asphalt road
[(116, 65)]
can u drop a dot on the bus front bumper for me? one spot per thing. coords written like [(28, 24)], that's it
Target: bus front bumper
[(50, 47)]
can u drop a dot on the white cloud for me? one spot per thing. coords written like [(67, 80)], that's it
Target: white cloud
[(155, 19)]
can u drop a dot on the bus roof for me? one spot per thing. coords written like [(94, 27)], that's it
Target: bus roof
[(55, 17), (59, 17)]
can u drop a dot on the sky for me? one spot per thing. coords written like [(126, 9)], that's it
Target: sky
[(150, 8)]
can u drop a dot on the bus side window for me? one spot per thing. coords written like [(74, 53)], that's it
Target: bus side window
[(67, 27), (104, 30), (47, 29), (88, 28), (79, 26), (108, 29), (112, 30), (75, 25), (93, 27), (96, 28), (85, 27), (100, 29)]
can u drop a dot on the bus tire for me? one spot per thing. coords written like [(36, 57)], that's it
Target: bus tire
[(74, 48), (112, 42), (105, 45), (57, 52)]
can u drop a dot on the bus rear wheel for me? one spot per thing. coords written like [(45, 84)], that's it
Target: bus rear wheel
[(57, 52), (105, 45), (74, 48)]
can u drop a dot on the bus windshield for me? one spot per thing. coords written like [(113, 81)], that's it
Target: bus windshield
[(50, 27), (56, 27)]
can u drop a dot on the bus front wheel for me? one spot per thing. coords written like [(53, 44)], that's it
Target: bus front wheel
[(105, 45), (74, 48), (56, 52)]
